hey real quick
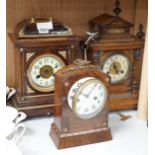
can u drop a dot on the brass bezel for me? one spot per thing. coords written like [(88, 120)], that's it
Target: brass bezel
[(33, 84), (128, 71), (78, 93)]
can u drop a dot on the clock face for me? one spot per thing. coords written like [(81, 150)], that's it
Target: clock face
[(41, 72), (117, 66), (87, 97)]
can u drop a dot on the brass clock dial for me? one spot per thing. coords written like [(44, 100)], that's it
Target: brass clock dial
[(118, 67), (41, 72), (87, 97)]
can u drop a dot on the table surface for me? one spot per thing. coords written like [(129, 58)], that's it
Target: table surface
[(129, 138)]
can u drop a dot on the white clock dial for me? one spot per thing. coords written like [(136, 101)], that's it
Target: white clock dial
[(41, 72), (89, 99), (117, 66), (73, 90)]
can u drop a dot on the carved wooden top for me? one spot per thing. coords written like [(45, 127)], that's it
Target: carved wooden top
[(42, 42), (112, 27), (108, 21)]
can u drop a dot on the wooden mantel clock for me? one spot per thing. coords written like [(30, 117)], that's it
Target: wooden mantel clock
[(37, 58), (119, 54), (81, 114)]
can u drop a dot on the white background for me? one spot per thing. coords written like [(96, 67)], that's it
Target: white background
[(129, 138)]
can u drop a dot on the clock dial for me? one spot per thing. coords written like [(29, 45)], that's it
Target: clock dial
[(41, 72), (117, 66), (73, 90), (89, 99)]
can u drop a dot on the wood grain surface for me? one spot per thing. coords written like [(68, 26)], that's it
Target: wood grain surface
[(74, 13)]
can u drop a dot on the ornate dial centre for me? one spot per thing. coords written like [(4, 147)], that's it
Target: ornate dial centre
[(46, 71), (117, 66)]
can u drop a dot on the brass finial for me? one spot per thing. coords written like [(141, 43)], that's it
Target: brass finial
[(117, 10), (140, 34)]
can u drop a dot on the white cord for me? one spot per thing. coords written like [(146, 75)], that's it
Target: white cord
[(91, 37)]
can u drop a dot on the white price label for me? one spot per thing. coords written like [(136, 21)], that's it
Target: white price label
[(44, 27)]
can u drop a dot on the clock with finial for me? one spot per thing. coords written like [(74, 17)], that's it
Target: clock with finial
[(119, 53)]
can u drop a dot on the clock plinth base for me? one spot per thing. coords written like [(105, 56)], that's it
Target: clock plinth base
[(33, 107), (66, 140)]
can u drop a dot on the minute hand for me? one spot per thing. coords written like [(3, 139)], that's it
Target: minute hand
[(91, 90)]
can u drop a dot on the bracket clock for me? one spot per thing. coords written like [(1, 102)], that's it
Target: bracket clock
[(37, 58), (119, 54), (81, 117)]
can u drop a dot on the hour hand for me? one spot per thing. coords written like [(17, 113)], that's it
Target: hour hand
[(116, 68)]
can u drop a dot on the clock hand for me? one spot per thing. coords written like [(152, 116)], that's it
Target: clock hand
[(84, 95), (91, 90), (122, 71), (115, 68)]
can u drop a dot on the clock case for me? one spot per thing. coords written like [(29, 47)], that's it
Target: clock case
[(68, 130), (114, 37), (27, 99)]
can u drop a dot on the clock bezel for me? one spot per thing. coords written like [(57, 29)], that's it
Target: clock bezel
[(106, 55), (74, 104), (31, 82)]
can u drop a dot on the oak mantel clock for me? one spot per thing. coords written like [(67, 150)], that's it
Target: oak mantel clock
[(38, 57), (119, 54), (81, 114)]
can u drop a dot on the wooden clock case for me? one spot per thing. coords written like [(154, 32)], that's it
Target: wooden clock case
[(68, 130), (114, 38), (27, 99)]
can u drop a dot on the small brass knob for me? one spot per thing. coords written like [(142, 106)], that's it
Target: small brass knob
[(65, 129), (72, 46), (66, 84), (107, 79), (22, 98), (21, 49)]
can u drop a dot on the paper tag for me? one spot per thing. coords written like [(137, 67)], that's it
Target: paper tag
[(44, 27)]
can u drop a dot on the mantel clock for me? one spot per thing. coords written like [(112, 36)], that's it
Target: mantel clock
[(81, 114), (119, 54), (37, 58)]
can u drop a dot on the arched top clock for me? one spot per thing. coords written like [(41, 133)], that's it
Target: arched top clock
[(82, 95), (38, 56)]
